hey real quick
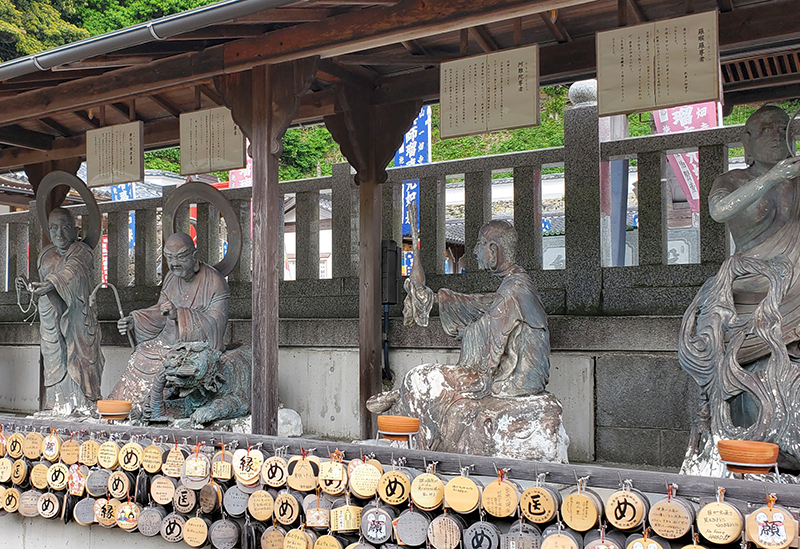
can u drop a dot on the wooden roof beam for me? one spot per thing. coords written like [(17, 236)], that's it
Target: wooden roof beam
[(28, 139), (556, 26), (333, 73), (638, 12), (165, 104), (83, 116), (725, 5), (60, 129), (413, 47), (285, 15), (483, 38), (206, 90), (220, 32)]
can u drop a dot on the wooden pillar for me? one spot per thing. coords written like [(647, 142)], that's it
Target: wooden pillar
[(36, 173), (369, 135), (263, 102)]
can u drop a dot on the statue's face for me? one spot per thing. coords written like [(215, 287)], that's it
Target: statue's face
[(484, 253), (182, 260), (767, 139), (62, 230)]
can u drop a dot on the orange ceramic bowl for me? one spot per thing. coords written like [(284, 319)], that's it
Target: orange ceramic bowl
[(398, 424), (748, 451), (114, 409)]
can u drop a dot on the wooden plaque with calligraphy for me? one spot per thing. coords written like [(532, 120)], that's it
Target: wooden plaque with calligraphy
[(394, 488), (500, 498), (195, 531), (364, 481), (462, 494), (32, 445), (174, 462), (626, 509), (14, 445), (273, 472), (84, 512), (58, 476), (130, 456), (582, 511), (49, 505), (671, 518), (172, 527), (720, 522), (29, 503), (224, 534), (70, 451), (482, 535), (51, 447), (771, 527), (39, 476), (260, 505), (272, 538), (162, 490), (539, 504), (303, 473), (427, 491), (152, 459), (108, 455), (127, 516), (88, 453)]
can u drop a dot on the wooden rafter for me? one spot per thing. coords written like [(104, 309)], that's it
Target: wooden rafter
[(638, 12), (556, 27), (334, 73), (483, 38), (60, 129), (165, 104), (28, 139), (285, 15), (84, 117), (413, 47), (206, 90), (221, 32)]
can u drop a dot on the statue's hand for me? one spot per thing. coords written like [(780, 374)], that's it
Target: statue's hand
[(788, 168), (125, 324), (168, 309), (41, 288)]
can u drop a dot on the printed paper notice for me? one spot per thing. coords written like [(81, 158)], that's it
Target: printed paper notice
[(658, 65), (115, 154), (211, 141)]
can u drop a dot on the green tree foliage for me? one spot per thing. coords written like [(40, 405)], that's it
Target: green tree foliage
[(31, 26), (306, 148), (101, 16)]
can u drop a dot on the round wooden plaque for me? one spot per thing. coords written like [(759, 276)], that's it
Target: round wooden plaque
[(11, 500), (482, 535), (235, 501), (105, 512), (6, 466), (195, 531), (108, 455), (88, 453), (19, 472), (210, 498), (539, 504), (411, 528), (130, 457), (581, 511), (328, 542), (29, 503), (639, 542), (174, 462), (14, 445), (303, 473), (260, 505), (119, 485), (247, 464), (612, 539), (97, 482), (162, 490), (272, 538), (427, 492), (2, 443), (150, 520), (626, 509), (364, 481), (196, 471), (444, 532), (172, 527), (521, 540), (771, 528), (559, 541), (39, 476), (296, 539), (500, 498), (84, 512), (462, 494), (394, 488), (224, 534), (273, 472), (70, 451), (127, 516), (58, 476), (286, 509), (333, 478), (51, 447), (152, 459), (376, 524), (671, 518), (49, 505), (32, 445), (720, 522), (185, 500)]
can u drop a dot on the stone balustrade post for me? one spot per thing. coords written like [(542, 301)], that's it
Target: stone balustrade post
[(652, 209), (306, 230), (528, 216), (431, 223), (477, 211), (714, 241), (119, 248), (392, 211), (242, 271), (146, 248), (344, 222), (208, 241)]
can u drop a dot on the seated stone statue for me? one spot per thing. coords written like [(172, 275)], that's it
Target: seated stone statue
[(200, 382), (739, 337), (70, 345), (503, 369), (193, 306)]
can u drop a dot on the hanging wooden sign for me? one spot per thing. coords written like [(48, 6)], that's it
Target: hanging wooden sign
[(260, 505), (272, 538), (287, 508), (364, 481), (394, 488), (771, 527), (210, 498), (346, 518), (97, 482), (70, 452), (560, 541), (32, 445), (29, 503), (444, 532), (84, 512), (162, 490), (11, 500), (51, 447), (539, 504), (224, 534), (150, 519), (172, 528), (152, 459), (327, 542), (376, 524), (58, 476), (671, 517), (411, 528), (19, 472), (185, 500), (105, 512), (462, 494), (77, 480), (210, 141), (174, 462), (108, 455), (500, 498), (720, 522), (582, 509), (39, 476), (273, 472), (6, 466), (115, 154), (427, 492), (235, 501), (317, 517), (195, 531), (333, 477), (222, 466), (303, 473), (14, 445), (247, 465), (49, 505), (130, 456), (127, 516), (482, 535), (626, 509), (88, 453)]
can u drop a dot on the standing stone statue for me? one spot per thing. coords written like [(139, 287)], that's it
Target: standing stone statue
[(70, 344), (193, 306), (739, 337), (503, 369)]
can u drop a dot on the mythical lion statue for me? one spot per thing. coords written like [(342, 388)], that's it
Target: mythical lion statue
[(200, 382)]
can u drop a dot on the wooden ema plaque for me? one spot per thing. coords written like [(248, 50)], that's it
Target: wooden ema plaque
[(97, 482), (174, 462), (720, 522), (58, 476), (51, 447), (333, 478), (108, 455), (32, 445), (195, 532), (152, 459), (119, 485), (538, 504), (303, 473), (272, 538), (521, 540), (11, 500), (70, 452), (649, 543), (84, 512), (39, 476), (172, 527), (88, 453), (273, 472), (326, 542), (771, 527), (260, 505), (210, 498), (317, 517), (581, 511), (462, 495), (77, 479), (376, 525), (162, 490), (196, 471), (626, 509), (127, 516), (130, 457), (235, 501), (346, 519), (105, 512), (49, 505), (671, 518), (394, 488), (364, 481), (500, 498), (482, 535), (222, 466), (411, 528), (224, 534), (427, 492), (286, 509), (150, 520), (29, 503), (185, 500), (296, 539), (14, 445), (444, 532), (559, 541), (6, 466), (247, 465), (19, 472)]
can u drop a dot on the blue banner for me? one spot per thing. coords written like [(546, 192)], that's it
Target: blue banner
[(416, 147), (121, 193)]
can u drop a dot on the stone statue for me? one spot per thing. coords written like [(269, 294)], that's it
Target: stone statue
[(193, 306), (739, 337), (70, 344), (198, 381), (503, 369)]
